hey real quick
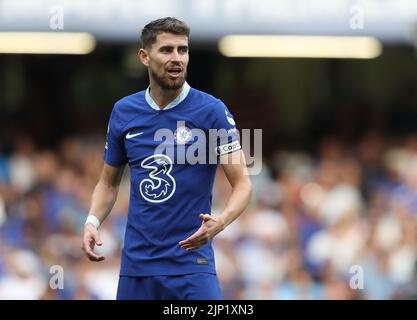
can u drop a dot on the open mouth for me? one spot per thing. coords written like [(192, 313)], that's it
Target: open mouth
[(175, 71)]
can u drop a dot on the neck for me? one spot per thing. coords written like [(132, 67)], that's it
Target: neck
[(161, 96)]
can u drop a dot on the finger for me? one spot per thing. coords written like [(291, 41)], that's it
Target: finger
[(96, 259), (192, 240), (195, 244), (97, 239), (88, 247), (205, 217), (192, 248), (92, 233), (194, 236), (198, 239), (92, 256)]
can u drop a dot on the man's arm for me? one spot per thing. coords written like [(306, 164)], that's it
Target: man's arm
[(239, 199), (103, 199)]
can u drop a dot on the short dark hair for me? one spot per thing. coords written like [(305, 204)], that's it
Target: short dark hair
[(168, 24)]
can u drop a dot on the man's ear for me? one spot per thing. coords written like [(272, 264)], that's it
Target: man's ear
[(143, 57)]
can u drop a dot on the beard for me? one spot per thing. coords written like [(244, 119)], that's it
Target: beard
[(168, 84)]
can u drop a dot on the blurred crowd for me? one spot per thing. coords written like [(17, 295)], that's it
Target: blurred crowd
[(339, 223)]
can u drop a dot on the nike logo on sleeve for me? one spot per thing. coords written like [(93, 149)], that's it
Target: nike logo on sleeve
[(130, 136)]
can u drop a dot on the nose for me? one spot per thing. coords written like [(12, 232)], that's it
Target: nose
[(175, 55)]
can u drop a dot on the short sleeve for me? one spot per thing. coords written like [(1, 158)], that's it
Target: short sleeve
[(114, 150), (228, 138)]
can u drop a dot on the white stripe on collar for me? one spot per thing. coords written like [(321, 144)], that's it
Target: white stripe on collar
[(173, 103)]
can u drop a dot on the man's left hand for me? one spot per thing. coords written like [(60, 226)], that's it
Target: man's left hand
[(210, 226)]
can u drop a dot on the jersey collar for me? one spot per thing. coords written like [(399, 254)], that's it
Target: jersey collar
[(173, 103)]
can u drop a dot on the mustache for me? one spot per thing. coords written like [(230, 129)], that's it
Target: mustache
[(175, 64), (167, 85)]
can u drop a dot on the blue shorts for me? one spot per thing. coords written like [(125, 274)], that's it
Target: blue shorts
[(196, 286)]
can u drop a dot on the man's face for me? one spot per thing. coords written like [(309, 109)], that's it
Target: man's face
[(167, 60)]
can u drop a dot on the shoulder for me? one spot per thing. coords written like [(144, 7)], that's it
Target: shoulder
[(208, 102), (212, 112), (128, 102), (204, 98), (128, 106)]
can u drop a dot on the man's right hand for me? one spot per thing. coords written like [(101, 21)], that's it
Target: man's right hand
[(90, 239)]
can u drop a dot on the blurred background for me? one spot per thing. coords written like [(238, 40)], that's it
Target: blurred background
[(334, 211)]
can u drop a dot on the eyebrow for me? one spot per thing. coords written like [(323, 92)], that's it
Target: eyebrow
[(171, 47)]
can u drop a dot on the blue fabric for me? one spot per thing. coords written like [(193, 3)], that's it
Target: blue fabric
[(197, 286)]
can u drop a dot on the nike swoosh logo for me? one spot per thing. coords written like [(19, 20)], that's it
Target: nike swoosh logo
[(130, 136)]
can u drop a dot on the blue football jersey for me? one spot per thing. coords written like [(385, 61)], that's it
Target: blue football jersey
[(168, 192)]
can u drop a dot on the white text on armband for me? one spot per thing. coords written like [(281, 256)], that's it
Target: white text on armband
[(228, 148)]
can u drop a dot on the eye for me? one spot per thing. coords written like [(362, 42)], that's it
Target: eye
[(183, 49), (165, 50)]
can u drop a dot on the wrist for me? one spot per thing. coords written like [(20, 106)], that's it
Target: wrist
[(93, 220), (223, 221)]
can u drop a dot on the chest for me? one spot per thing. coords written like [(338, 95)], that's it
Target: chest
[(178, 137)]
